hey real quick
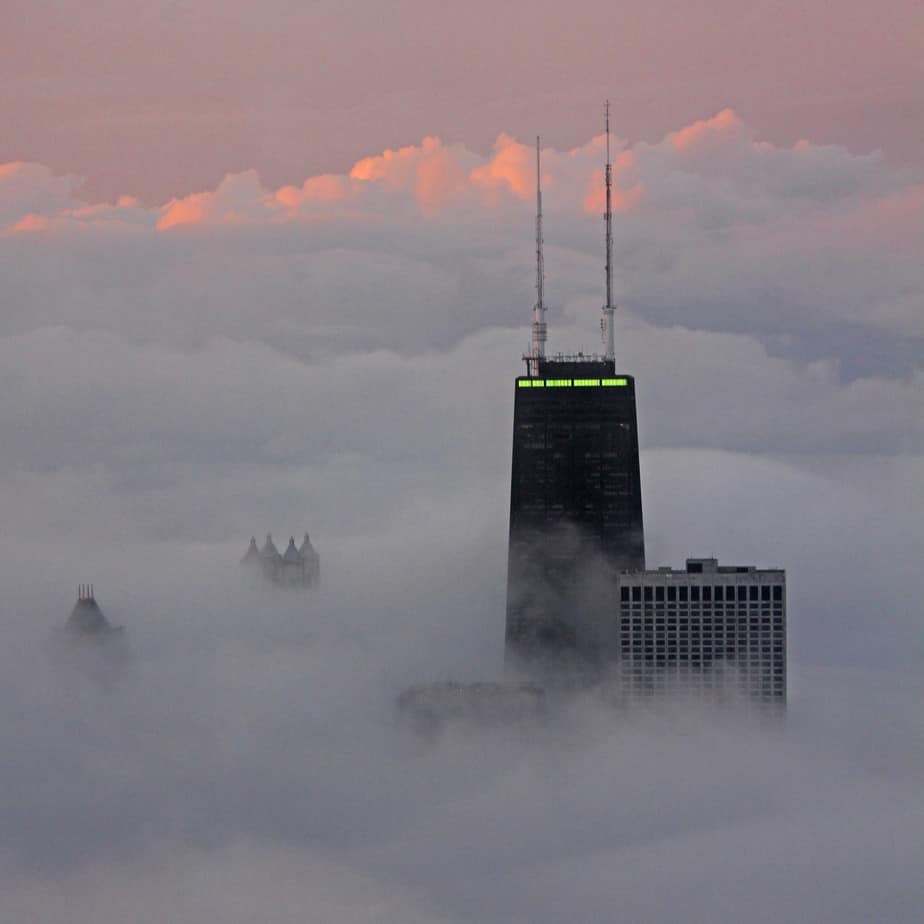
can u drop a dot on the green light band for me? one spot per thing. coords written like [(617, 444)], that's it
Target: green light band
[(569, 383)]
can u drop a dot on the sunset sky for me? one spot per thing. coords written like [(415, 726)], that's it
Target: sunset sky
[(270, 267), (158, 98)]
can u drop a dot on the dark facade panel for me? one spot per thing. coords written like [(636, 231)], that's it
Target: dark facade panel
[(575, 501)]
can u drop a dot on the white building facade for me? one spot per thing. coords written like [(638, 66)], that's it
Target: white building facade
[(707, 629)]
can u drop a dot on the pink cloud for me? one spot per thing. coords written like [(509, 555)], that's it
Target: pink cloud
[(30, 223), (239, 198), (510, 168), (191, 210), (433, 171), (328, 187), (672, 174), (721, 127)]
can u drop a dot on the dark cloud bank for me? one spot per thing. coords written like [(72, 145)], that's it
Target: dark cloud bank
[(165, 396)]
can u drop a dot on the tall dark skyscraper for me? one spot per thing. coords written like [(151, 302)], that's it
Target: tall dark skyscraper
[(575, 491), (575, 500)]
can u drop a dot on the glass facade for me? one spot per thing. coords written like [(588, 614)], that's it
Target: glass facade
[(575, 498)]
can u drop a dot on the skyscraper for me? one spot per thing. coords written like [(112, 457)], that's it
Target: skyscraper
[(575, 494), (575, 499)]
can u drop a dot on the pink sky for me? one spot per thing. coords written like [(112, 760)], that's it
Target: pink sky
[(160, 99)]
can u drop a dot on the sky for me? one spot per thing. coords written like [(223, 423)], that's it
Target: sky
[(272, 270), (163, 97)]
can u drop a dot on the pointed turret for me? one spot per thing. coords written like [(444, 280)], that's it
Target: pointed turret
[(252, 555), (312, 561), (292, 554), (293, 565), (269, 550), (270, 559)]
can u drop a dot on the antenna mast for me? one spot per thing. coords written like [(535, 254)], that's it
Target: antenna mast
[(609, 346), (539, 327)]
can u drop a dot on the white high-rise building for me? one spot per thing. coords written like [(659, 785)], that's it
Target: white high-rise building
[(710, 628)]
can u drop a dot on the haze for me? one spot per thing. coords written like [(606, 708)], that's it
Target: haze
[(272, 271)]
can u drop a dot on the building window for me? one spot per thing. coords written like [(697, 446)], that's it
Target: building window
[(707, 594), (624, 594), (694, 594), (637, 594), (778, 592), (752, 593), (659, 594), (683, 595), (648, 595)]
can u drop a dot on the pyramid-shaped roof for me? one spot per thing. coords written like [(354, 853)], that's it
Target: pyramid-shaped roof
[(252, 552), (292, 555), (269, 549), (87, 618), (307, 549)]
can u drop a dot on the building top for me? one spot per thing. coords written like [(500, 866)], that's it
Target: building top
[(576, 364), (252, 552), (86, 617), (575, 377), (269, 548), (697, 567), (307, 550), (712, 566), (292, 554)]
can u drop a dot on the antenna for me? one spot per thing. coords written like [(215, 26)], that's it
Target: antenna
[(539, 327), (609, 347)]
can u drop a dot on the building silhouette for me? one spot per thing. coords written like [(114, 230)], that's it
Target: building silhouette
[(575, 488), (296, 567), (87, 619), (575, 498)]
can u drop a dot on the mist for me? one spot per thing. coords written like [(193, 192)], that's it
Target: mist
[(349, 371)]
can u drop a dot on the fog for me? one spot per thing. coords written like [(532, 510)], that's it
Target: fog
[(168, 393)]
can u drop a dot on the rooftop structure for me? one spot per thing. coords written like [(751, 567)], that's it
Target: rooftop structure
[(297, 567), (87, 619)]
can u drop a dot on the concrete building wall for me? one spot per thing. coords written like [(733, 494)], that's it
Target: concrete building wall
[(708, 628)]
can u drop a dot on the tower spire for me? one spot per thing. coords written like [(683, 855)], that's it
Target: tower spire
[(609, 347), (539, 327)]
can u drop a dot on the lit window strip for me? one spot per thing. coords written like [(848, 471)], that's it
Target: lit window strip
[(568, 383)]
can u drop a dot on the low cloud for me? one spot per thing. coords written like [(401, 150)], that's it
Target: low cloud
[(338, 356)]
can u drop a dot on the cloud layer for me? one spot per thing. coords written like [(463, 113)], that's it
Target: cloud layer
[(338, 356)]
